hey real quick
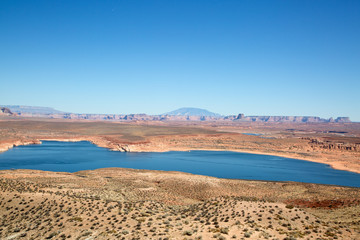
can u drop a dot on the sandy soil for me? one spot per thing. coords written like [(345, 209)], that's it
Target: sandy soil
[(137, 204)]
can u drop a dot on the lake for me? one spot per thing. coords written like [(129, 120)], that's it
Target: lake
[(76, 156)]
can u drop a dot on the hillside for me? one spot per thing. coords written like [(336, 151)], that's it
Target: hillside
[(117, 203)]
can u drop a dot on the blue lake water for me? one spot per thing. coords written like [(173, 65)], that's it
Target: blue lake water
[(252, 134), (73, 157)]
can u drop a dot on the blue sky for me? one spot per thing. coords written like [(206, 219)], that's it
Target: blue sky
[(254, 57)]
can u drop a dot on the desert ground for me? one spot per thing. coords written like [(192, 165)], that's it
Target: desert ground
[(139, 204)]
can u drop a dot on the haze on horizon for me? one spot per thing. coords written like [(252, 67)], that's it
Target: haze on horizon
[(255, 57)]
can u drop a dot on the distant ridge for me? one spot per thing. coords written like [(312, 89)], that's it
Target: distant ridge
[(192, 112), (32, 109), (181, 114)]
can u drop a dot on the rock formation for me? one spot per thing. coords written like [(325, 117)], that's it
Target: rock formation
[(183, 114), (5, 111)]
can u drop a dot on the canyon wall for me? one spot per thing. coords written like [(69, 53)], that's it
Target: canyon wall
[(231, 118)]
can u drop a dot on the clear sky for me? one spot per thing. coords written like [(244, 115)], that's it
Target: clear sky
[(252, 57)]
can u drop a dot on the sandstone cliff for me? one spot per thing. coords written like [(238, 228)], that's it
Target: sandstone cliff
[(182, 115), (164, 118), (295, 119)]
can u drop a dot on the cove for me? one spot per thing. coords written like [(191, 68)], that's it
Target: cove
[(77, 156)]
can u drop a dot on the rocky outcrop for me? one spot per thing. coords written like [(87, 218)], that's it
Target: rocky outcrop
[(122, 148), (342, 119), (331, 145), (240, 116), (5, 111), (292, 119), (8, 145)]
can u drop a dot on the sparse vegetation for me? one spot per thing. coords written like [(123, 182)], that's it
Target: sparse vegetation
[(33, 206)]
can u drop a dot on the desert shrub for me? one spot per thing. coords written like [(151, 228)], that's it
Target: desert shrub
[(224, 230), (53, 234), (188, 233)]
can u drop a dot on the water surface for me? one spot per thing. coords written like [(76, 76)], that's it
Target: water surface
[(76, 156), (252, 134)]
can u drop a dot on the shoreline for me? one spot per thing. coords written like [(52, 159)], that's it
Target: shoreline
[(135, 148), (48, 172)]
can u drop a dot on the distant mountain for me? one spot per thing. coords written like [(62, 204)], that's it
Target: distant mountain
[(181, 114), (32, 109), (192, 112)]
